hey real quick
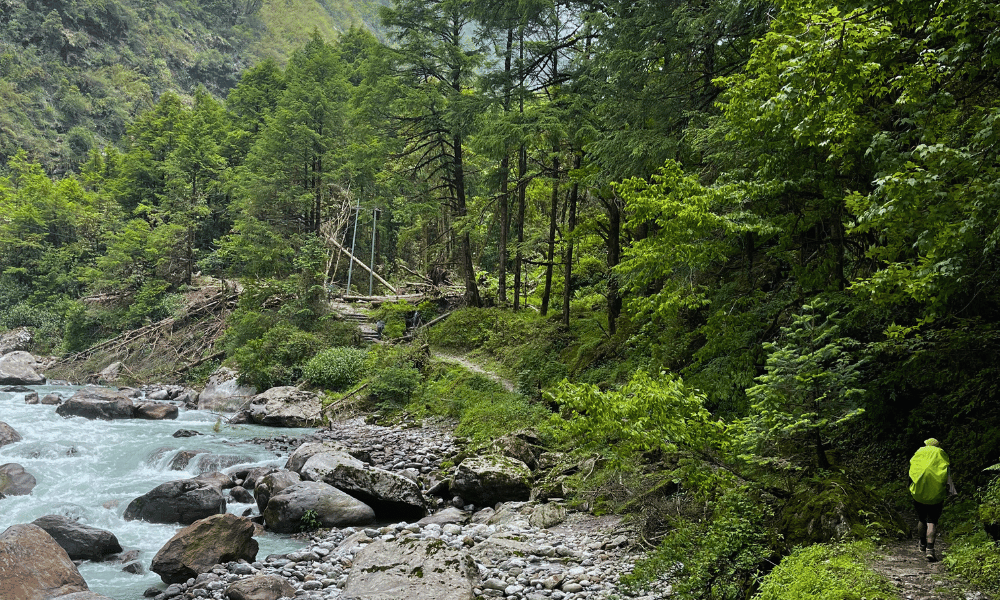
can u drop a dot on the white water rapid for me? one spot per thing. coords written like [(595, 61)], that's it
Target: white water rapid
[(91, 470)]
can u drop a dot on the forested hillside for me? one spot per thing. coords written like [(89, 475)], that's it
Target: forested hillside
[(744, 251), (74, 74)]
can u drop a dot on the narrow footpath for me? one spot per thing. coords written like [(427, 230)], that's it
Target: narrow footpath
[(917, 579)]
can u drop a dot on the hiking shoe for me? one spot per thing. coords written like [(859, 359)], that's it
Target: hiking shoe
[(922, 546), (930, 555)]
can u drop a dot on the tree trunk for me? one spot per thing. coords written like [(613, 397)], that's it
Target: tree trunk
[(504, 177), (551, 253), (522, 171), (574, 194), (614, 257), (465, 260)]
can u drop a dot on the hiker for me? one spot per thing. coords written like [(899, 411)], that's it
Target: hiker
[(379, 328), (930, 485)]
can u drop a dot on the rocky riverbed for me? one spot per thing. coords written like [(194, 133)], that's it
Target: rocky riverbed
[(576, 556)]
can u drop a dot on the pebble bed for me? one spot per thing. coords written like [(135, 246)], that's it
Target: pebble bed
[(581, 558)]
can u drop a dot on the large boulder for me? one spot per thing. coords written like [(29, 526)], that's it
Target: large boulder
[(260, 587), (183, 501), (156, 411), (523, 445), (98, 403), (411, 569), (223, 392), (8, 435), (392, 496), (285, 406), (273, 484), (15, 340), (81, 542), (15, 481), (202, 545), (487, 480), (19, 368), (34, 567), (330, 508)]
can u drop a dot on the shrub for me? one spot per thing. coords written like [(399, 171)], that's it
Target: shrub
[(718, 557), (276, 358), (395, 385), (336, 368), (827, 572)]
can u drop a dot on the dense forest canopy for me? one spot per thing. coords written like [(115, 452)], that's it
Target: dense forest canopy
[(792, 205)]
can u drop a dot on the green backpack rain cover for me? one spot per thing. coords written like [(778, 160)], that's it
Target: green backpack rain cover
[(929, 474)]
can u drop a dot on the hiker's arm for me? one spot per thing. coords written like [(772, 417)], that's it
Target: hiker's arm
[(951, 484)]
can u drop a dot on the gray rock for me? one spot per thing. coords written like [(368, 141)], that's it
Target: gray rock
[(547, 515), (240, 495), (202, 545), (260, 587), (156, 411), (18, 368), (98, 403), (182, 459), (34, 567), (81, 542), (331, 507), (183, 501), (223, 393), (31, 398), (285, 406), (411, 569), (51, 399), (392, 496), (446, 516), (15, 481), (273, 484), (486, 480), (8, 435), (15, 340), (108, 374)]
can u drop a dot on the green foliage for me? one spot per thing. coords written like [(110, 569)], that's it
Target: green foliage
[(277, 357), (646, 414), (336, 368), (989, 504), (808, 391), (972, 553), (523, 343), (484, 409), (394, 385), (827, 572), (46, 325), (309, 521), (719, 557)]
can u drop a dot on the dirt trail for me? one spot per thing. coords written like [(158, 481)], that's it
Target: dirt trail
[(917, 579), (465, 362)]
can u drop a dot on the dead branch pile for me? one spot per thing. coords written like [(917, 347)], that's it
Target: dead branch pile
[(160, 352)]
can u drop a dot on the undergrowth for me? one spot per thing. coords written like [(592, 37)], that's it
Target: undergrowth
[(827, 572)]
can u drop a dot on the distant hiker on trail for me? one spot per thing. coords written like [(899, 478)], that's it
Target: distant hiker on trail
[(379, 328), (930, 484)]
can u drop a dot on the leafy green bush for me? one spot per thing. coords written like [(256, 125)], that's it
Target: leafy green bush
[(718, 557), (484, 409), (336, 368), (46, 325), (989, 507), (276, 358), (827, 572), (395, 385), (976, 557)]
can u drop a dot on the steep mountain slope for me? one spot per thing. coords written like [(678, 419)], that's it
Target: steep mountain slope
[(73, 73)]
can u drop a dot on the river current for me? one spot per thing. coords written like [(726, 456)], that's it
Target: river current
[(91, 470)]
